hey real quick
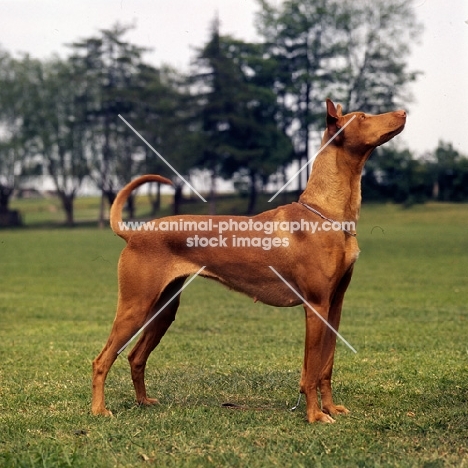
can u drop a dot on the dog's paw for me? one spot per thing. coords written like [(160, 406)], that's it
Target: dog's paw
[(148, 401), (335, 409), (102, 412), (320, 416)]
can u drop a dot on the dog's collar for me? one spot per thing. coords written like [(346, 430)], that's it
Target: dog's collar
[(353, 234)]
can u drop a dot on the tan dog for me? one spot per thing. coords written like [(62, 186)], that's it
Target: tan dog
[(154, 265)]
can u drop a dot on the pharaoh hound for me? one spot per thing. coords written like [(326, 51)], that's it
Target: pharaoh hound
[(309, 269)]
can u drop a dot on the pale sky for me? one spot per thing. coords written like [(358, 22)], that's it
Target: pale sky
[(173, 28)]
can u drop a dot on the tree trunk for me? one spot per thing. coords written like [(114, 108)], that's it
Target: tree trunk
[(5, 194), (435, 190), (101, 211), (213, 193), (252, 193), (307, 130), (131, 206), (155, 200), (8, 217), (285, 179), (67, 205), (110, 195), (177, 199)]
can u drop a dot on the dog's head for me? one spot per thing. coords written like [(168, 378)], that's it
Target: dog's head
[(360, 132)]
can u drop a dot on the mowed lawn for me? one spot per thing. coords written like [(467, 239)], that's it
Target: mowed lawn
[(406, 313)]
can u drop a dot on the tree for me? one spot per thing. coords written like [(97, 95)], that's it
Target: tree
[(113, 74), (396, 175), (256, 144), (166, 115), (53, 129), (450, 173), (217, 81), (19, 106), (12, 148), (240, 133), (40, 118), (393, 174), (378, 35), (353, 51), (300, 36)]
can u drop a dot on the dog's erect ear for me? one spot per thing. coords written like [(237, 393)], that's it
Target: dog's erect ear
[(333, 116), (331, 110)]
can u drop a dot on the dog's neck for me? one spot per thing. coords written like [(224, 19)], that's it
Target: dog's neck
[(334, 185)]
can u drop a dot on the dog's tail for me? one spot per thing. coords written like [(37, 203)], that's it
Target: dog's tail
[(122, 196)]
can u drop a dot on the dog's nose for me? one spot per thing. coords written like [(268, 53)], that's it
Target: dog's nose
[(401, 113)]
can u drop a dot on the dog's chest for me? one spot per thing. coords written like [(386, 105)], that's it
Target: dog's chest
[(353, 255), (351, 252)]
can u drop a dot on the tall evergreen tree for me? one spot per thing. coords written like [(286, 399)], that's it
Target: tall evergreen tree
[(257, 145), (240, 133), (166, 116), (216, 81)]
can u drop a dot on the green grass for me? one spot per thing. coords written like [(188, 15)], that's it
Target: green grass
[(407, 386)]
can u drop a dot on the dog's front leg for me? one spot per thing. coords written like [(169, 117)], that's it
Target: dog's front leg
[(328, 350), (311, 371)]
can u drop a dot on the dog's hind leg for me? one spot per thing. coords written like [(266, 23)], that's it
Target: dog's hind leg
[(328, 351), (137, 295), (151, 337), (129, 319)]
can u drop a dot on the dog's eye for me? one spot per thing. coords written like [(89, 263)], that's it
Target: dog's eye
[(362, 116)]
